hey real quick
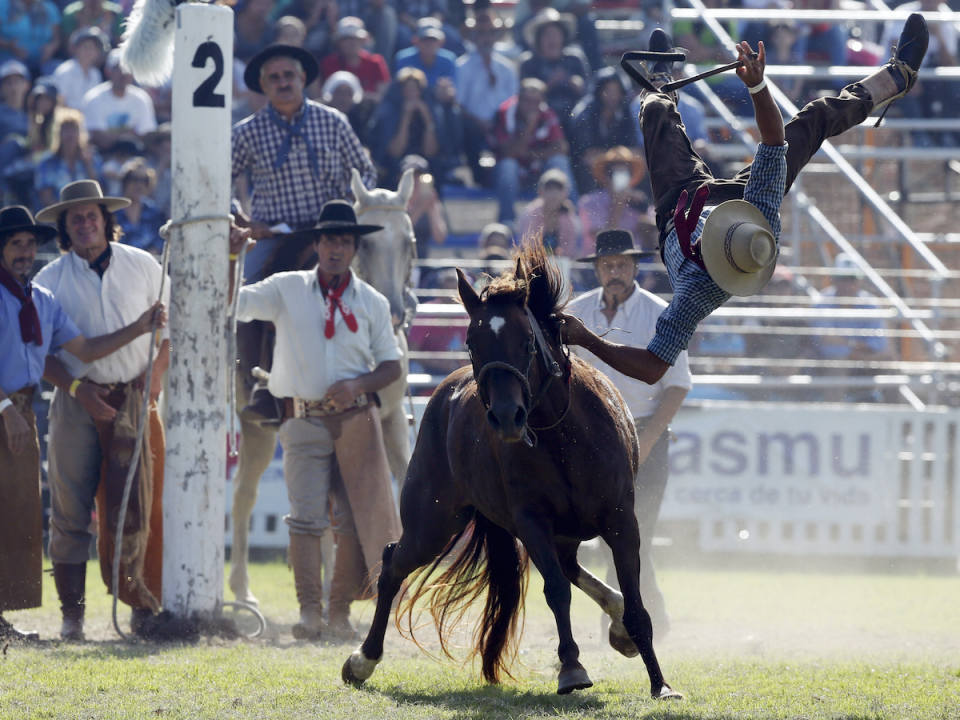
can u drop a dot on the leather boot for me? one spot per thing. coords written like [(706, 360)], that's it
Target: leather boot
[(349, 579), (71, 582), (9, 632), (306, 559)]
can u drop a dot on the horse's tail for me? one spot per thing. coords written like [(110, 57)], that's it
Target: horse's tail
[(485, 556)]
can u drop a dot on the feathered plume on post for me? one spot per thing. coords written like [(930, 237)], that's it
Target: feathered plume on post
[(147, 44)]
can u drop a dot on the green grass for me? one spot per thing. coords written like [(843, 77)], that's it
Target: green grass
[(743, 645)]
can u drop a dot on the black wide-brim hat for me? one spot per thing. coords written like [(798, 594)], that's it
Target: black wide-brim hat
[(336, 216), (251, 76), (615, 242), (17, 218)]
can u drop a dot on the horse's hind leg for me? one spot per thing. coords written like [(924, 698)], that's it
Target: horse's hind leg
[(257, 447), (609, 600), (624, 541), (538, 540)]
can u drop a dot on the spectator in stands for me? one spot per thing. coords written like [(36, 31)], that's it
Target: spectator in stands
[(319, 19), (158, 154), (777, 345), (14, 86), (106, 16), (495, 235), (114, 158), (253, 28), (371, 70), (142, 218), (439, 338), (620, 202), (552, 215), (380, 19), (846, 292), (409, 121), (825, 43), (426, 211), (30, 32), (70, 158), (291, 31), (410, 13), (485, 80), (601, 121), (562, 67), (428, 54), (342, 91), (527, 139), (42, 101), (117, 109), (587, 36), (81, 73)]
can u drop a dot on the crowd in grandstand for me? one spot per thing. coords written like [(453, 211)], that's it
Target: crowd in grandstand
[(515, 101)]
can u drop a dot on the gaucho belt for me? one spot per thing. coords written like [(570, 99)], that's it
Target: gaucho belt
[(300, 408)]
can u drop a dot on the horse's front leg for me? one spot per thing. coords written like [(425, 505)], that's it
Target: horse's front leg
[(624, 541), (537, 537), (257, 447)]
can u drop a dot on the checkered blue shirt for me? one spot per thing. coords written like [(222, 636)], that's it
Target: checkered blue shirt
[(695, 295), (293, 193)]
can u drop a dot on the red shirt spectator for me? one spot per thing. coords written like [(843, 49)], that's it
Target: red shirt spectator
[(542, 129), (370, 69)]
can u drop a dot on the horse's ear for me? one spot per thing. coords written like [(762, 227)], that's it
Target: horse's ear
[(521, 272), (405, 189), (359, 189), (468, 295)]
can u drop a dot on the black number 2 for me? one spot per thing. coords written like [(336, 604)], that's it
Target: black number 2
[(204, 96)]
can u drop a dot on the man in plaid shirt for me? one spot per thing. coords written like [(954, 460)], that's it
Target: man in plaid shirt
[(731, 249), (298, 153)]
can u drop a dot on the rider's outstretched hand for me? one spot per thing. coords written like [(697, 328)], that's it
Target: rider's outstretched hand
[(752, 70)]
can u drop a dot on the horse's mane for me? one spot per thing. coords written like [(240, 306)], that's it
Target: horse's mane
[(536, 281)]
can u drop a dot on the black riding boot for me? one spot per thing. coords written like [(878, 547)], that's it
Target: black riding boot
[(71, 582)]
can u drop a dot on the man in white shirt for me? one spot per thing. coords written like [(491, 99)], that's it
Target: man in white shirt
[(485, 80), (79, 75), (103, 285), (117, 109), (335, 348), (623, 312)]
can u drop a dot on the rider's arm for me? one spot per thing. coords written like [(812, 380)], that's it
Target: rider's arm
[(637, 363), (769, 119)]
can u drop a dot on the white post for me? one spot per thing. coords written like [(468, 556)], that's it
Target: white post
[(195, 477)]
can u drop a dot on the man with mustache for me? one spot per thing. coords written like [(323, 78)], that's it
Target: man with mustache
[(32, 325), (624, 313)]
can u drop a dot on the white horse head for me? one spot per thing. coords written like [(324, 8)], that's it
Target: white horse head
[(385, 258)]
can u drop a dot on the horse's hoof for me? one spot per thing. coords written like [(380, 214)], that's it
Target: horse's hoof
[(667, 693), (347, 674), (573, 679), (620, 640), (357, 669)]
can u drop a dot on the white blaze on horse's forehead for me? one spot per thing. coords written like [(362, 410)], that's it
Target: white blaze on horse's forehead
[(496, 322)]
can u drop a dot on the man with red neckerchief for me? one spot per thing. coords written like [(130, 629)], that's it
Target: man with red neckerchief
[(335, 348)]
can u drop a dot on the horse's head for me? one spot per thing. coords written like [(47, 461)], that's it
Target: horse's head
[(513, 359), (385, 258)]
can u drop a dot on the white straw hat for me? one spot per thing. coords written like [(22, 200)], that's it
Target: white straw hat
[(738, 248)]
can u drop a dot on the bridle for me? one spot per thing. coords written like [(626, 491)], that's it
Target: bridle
[(536, 346)]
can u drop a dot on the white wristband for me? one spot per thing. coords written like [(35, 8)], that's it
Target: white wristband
[(4, 404), (757, 88)]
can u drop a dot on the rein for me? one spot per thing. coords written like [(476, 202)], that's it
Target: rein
[(536, 346)]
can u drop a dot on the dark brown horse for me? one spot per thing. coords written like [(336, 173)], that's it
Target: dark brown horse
[(524, 446)]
